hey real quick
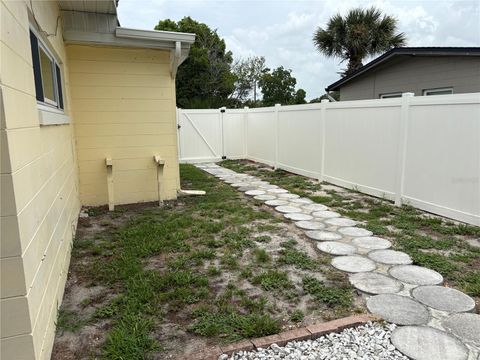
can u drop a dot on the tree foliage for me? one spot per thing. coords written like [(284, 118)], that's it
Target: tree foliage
[(278, 87), (205, 79), (361, 33), (248, 73)]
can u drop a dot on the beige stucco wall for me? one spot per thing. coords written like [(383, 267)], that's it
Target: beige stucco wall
[(415, 74), (123, 101), (39, 197)]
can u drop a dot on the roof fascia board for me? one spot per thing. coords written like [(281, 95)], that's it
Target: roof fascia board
[(129, 33), (82, 37)]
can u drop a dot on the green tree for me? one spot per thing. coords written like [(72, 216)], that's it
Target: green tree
[(299, 97), (361, 33), (205, 79), (334, 94), (278, 87), (248, 73)]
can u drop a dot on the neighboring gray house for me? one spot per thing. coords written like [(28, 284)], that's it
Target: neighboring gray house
[(421, 70)]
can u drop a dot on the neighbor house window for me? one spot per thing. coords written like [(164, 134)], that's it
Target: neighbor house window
[(440, 91), (391, 95), (46, 71)]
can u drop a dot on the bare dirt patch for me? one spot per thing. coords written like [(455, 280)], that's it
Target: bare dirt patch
[(150, 282)]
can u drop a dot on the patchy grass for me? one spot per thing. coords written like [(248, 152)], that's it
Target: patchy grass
[(165, 275), (433, 242)]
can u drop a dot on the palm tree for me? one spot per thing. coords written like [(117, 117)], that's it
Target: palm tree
[(359, 34)]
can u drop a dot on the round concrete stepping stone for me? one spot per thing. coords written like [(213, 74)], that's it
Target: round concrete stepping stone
[(326, 214), (276, 202), (298, 216), (288, 196), (323, 235), (353, 264), (288, 209), (340, 222), (246, 188), (310, 225), (372, 243), (390, 257), (465, 326), (258, 183), (268, 187), (277, 191), (443, 298), (240, 184), (255, 192), (315, 207), (302, 201), (426, 343), (416, 275), (354, 231), (233, 180), (375, 283), (264, 197), (336, 248), (400, 310)]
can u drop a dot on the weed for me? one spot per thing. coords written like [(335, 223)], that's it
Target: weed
[(272, 280), (68, 320), (261, 256), (297, 258), (333, 296)]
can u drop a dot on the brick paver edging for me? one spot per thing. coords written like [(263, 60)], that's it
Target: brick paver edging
[(281, 339)]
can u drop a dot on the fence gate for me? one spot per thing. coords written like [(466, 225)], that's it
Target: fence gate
[(200, 136)]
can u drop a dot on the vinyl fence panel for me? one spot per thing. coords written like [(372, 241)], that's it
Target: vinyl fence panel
[(423, 151)]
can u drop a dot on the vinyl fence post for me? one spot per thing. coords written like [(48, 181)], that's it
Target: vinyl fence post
[(245, 127), (402, 148), (275, 161), (222, 130), (323, 118)]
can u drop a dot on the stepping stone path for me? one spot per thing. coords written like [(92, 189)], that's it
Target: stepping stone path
[(255, 192), (298, 216), (375, 283), (264, 197), (372, 242), (354, 231), (315, 207), (400, 310), (436, 322), (337, 248), (353, 264), (340, 222), (427, 343), (416, 275), (310, 225), (288, 209), (326, 214), (390, 257), (465, 326), (323, 235), (444, 299)]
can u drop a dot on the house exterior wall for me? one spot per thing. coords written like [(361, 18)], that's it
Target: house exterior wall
[(414, 74), (123, 102), (39, 189)]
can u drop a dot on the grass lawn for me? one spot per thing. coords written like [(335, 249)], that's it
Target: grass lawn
[(431, 241), (158, 282)]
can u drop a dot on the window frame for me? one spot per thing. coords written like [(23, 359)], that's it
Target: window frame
[(47, 101), (392, 95), (57, 74), (50, 112), (425, 92)]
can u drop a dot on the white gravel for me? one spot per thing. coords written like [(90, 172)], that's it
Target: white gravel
[(367, 342)]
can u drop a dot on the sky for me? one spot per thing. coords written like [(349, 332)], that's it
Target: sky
[(282, 30)]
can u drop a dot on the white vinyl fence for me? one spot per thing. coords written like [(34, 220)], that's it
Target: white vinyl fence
[(424, 151)]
